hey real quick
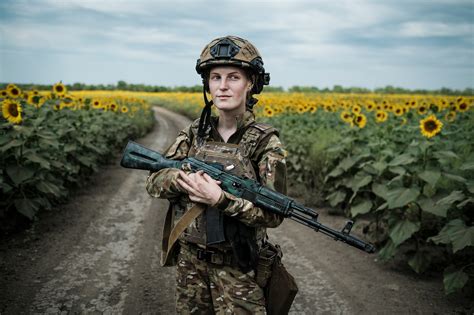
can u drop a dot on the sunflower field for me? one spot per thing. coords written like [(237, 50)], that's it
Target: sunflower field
[(51, 141), (400, 165)]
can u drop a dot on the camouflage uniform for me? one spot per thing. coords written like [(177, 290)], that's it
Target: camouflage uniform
[(204, 287)]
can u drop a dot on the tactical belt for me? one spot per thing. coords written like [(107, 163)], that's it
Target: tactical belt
[(216, 257)]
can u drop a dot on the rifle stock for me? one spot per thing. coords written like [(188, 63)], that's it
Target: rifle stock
[(137, 156)]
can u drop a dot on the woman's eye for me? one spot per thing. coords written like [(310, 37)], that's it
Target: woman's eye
[(234, 77)]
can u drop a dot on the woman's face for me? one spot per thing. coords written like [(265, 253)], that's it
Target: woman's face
[(229, 87)]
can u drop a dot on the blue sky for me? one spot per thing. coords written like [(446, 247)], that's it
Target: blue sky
[(412, 44)]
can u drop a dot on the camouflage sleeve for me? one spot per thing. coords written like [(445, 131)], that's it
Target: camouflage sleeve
[(163, 184), (272, 171)]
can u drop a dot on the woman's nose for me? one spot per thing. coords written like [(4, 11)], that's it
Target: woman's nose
[(223, 84)]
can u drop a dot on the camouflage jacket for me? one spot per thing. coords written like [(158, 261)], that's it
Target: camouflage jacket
[(268, 160)]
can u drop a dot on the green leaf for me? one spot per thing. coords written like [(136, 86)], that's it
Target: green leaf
[(430, 176), (468, 166), (429, 205), (403, 230), (49, 188), (429, 191), (398, 170), (455, 177), (402, 159), (26, 207), (454, 196), (12, 144), (19, 174), (465, 202), (380, 166), (457, 233), (470, 186), (445, 155), (347, 163), (382, 206), (335, 172), (400, 197), (361, 208), (454, 280), (5, 138), (420, 261), (336, 198), (388, 251), (39, 160), (380, 190)]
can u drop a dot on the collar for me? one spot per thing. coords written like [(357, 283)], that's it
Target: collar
[(243, 120)]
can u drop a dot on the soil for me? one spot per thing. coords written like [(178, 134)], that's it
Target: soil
[(100, 253)]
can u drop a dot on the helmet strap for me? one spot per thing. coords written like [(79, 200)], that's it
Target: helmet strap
[(205, 120)]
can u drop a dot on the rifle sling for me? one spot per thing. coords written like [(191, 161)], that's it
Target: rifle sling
[(170, 238)]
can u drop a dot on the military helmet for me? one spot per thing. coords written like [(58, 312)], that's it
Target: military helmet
[(234, 51)]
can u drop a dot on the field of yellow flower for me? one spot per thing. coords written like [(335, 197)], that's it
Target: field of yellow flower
[(53, 140), (405, 163)]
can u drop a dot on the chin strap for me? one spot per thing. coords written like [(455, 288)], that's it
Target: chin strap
[(205, 120)]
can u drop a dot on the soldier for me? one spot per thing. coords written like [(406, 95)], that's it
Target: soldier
[(217, 253)]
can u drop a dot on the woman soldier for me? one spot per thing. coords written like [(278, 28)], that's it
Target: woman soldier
[(218, 251)]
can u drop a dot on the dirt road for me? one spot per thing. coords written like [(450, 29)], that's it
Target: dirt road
[(100, 254)]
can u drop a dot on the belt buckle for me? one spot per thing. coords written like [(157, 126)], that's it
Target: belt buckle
[(201, 254), (217, 258)]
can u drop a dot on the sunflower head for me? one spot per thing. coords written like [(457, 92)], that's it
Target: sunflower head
[(381, 116), (430, 126), (59, 89), (124, 109), (462, 107), (346, 116), (360, 120), (11, 110), (13, 91)]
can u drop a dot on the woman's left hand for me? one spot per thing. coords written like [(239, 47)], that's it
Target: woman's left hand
[(201, 187)]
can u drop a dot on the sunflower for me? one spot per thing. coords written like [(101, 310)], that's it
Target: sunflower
[(59, 89), (3, 93), (12, 111), (450, 116), (346, 116), (124, 109), (462, 107), (301, 109), (360, 120), (398, 111), (268, 111), (430, 126), (381, 116), (356, 109), (312, 109), (13, 91), (96, 104), (422, 109), (370, 106)]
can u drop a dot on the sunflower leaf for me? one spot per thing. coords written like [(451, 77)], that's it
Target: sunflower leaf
[(400, 197), (361, 208), (402, 159), (454, 279), (403, 230), (19, 174), (430, 176), (12, 144)]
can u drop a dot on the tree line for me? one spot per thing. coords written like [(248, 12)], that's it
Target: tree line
[(124, 86)]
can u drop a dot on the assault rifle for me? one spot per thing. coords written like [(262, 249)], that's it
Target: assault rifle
[(138, 157)]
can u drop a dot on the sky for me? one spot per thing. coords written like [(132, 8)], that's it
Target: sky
[(364, 43)]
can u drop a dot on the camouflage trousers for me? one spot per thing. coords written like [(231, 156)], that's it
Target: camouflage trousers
[(206, 288)]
